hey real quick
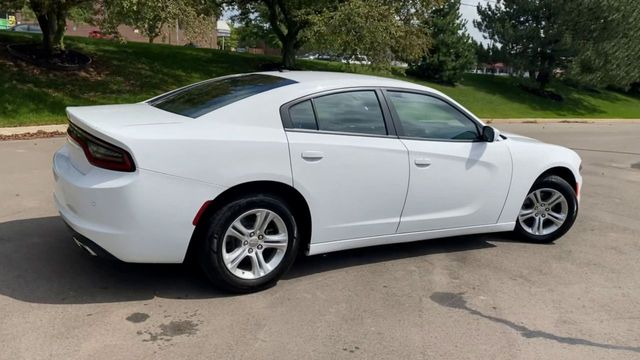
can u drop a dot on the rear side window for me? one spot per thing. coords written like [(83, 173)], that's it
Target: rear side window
[(351, 112), (204, 97), (348, 112), (302, 116)]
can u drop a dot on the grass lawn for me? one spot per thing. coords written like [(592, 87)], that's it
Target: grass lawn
[(124, 73)]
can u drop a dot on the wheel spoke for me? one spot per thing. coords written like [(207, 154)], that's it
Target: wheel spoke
[(265, 219), (555, 199), (558, 219), (540, 226), (276, 241), (537, 195), (257, 268), (262, 263), (236, 257), (235, 233), (238, 227), (526, 214)]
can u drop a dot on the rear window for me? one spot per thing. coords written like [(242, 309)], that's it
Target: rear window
[(202, 98)]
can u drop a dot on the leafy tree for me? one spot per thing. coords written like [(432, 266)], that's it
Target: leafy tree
[(52, 17), (151, 16), (254, 34), (287, 19), (381, 30), (605, 36), (452, 51), (529, 31), (594, 42)]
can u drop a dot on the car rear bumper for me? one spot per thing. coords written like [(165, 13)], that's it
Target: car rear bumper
[(143, 216)]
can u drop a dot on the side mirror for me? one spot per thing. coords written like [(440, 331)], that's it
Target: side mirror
[(489, 134)]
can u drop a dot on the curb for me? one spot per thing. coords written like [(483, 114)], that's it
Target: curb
[(561, 121), (9, 131)]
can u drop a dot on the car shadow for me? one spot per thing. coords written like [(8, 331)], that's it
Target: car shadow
[(39, 263)]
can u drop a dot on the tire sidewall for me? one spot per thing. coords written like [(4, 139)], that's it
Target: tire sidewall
[(560, 185), (211, 256)]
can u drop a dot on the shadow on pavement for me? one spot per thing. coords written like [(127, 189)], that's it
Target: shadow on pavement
[(39, 263)]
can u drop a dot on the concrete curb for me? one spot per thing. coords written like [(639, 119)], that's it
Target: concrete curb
[(32, 129), (560, 121)]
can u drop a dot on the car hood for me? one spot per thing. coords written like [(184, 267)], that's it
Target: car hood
[(520, 138)]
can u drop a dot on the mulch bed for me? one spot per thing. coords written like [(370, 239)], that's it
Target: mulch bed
[(68, 60)]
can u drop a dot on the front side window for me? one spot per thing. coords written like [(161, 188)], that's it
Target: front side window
[(350, 112), (202, 98), (427, 117)]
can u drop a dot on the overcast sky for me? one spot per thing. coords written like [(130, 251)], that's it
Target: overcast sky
[(469, 12)]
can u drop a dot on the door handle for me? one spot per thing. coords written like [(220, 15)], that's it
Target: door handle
[(312, 155), (422, 162)]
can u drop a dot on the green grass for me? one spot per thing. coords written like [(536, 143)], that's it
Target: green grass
[(124, 73)]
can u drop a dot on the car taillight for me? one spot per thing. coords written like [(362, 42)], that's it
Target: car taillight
[(100, 153)]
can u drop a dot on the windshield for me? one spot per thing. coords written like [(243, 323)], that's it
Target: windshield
[(202, 98)]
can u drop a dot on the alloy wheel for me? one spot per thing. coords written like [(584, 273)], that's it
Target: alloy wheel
[(255, 244), (543, 212)]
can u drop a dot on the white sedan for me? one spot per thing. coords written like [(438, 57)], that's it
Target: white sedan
[(245, 172)]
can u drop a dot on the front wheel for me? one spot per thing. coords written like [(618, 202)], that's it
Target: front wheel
[(548, 211), (249, 243)]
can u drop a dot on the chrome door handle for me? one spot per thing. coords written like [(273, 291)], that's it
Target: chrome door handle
[(312, 155), (422, 162)]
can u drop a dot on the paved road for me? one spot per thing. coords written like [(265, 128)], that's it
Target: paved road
[(478, 297)]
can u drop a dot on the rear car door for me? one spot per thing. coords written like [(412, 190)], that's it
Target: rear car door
[(457, 180), (348, 163)]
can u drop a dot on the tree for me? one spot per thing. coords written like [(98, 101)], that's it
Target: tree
[(605, 34), (381, 30), (52, 18), (452, 50), (530, 32), (287, 19), (151, 16), (594, 42)]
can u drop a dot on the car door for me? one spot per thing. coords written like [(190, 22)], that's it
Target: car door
[(456, 180), (348, 163)]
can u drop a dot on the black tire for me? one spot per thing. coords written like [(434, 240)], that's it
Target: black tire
[(211, 241), (559, 184)]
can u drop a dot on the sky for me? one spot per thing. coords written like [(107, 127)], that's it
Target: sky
[(469, 13)]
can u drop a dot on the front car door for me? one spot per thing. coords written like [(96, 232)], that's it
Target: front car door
[(456, 180), (348, 163)]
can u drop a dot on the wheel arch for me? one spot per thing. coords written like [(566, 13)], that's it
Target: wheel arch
[(297, 202), (564, 173)]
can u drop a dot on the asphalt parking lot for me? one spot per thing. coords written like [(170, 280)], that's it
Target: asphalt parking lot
[(476, 297)]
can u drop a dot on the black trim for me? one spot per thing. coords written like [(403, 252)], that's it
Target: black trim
[(97, 249), (398, 124)]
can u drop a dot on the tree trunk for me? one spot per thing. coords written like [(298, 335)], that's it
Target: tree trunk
[(544, 77), (151, 39), (288, 54), (53, 25)]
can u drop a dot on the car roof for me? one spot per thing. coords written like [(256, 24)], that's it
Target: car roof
[(323, 80)]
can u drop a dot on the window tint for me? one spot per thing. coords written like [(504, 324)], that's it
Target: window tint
[(353, 112), (302, 116), (202, 98), (423, 116)]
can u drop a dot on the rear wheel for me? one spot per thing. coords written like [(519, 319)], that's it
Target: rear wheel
[(548, 211), (249, 244)]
